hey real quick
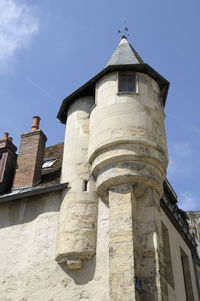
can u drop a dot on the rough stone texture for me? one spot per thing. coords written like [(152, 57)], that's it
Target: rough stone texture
[(28, 233), (194, 222), (116, 148), (121, 254), (78, 214), (77, 227), (127, 128), (148, 246), (176, 242), (128, 146)]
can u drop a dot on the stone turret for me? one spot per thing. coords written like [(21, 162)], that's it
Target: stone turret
[(78, 215), (116, 145)]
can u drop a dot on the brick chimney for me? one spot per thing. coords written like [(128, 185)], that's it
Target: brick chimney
[(30, 156), (8, 160)]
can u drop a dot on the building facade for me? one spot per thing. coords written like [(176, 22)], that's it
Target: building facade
[(105, 226)]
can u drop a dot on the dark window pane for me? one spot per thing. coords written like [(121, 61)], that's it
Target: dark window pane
[(187, 276), (130, 84), (127, 83)]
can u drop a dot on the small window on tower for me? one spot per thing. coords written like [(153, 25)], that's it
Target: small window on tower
[(127, 82), (85, 185)]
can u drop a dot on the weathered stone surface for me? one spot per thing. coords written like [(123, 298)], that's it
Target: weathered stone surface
[(194, 222), (28, 234), (78, 213), (148, 243), (121, 253), (77, 228), (107, 227), (127, 142), (176, 242)]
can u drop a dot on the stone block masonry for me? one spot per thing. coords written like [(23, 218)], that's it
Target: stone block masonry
[(121, 253)]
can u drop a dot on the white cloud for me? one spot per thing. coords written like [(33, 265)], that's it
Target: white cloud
[(187, 202), (179, 158), (17, 27), (182, 150)]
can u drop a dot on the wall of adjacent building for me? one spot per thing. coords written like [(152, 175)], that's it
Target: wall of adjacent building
[(29, 272), (176, 244)]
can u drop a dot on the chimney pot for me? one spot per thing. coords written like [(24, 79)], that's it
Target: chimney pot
[(5, 135), (36, 123)]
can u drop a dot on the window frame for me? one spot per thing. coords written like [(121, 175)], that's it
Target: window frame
[(128, 73), (186, 273), (169, 273), (49, 160)]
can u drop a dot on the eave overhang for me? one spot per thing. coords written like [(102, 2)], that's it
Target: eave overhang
[(173, 213), (88, 89), (31, 191)]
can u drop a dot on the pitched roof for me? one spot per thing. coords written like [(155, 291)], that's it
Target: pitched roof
[(124, 58), (50, 179), (125, 54)]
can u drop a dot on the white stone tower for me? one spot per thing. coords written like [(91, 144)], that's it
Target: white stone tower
[(116, 156)]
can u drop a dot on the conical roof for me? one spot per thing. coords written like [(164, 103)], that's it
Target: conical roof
[(125, 54), (124, 58)]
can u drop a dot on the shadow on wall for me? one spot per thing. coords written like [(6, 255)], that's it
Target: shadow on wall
[(83, 276), (28, 209)]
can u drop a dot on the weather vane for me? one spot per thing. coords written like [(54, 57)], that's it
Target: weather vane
[(124, 31)]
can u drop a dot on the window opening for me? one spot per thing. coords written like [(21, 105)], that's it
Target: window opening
[(85, 185), (167, 255), (127, 82), (48, 163), (187, 276)]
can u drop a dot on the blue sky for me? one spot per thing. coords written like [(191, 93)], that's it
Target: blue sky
[(50, 48)]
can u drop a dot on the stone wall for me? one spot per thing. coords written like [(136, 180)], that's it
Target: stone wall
[(176, 244), (194, 222), (29, 272), (78, 214)]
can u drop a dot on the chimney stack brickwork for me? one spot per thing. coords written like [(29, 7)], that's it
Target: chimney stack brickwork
[(30, 158)]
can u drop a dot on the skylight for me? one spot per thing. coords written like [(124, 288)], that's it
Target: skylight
[(49, 162)]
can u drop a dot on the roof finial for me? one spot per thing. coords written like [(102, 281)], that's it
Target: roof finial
[(124, 30)]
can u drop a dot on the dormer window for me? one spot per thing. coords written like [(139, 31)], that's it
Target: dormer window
[(127, 82), (48, 163)]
